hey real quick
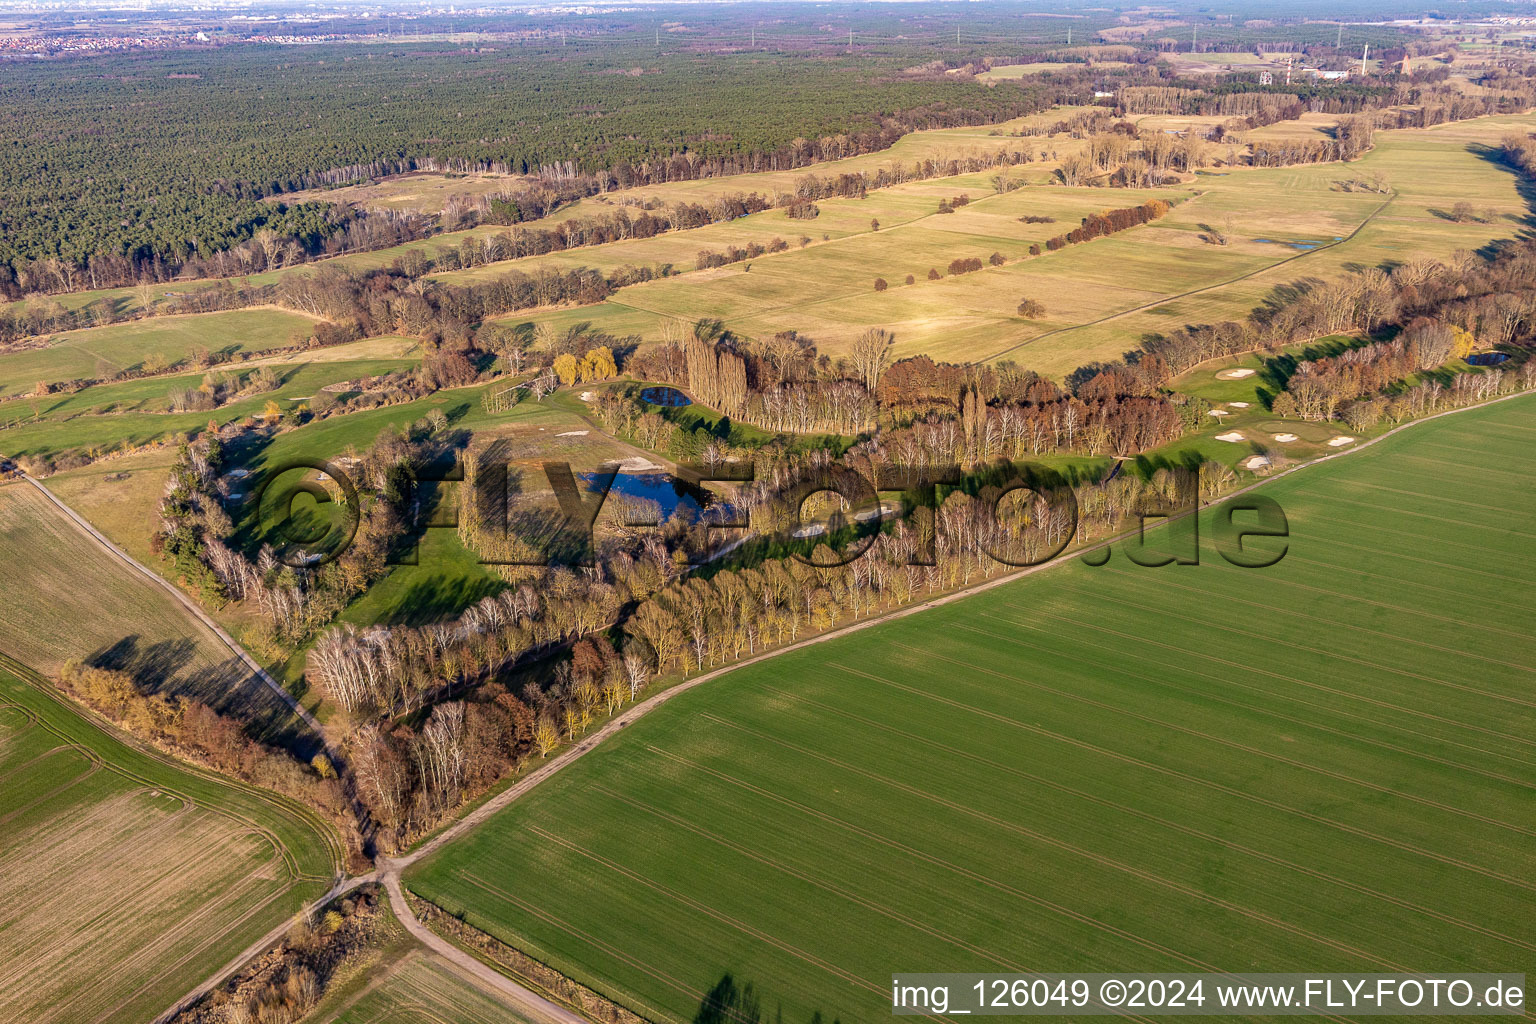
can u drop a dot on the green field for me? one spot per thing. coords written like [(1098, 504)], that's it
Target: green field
[(1323, 765), (135, 413), (69, 598), (99, 352), (129, 877)]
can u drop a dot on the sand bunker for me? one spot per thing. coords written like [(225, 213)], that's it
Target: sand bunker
[(1220, 412), (635, 464), (1237, 374), (573, 433), (1256, 462), (1285, 437), (1237, 405), (1340, 441), (1231, 435), (587, 396)]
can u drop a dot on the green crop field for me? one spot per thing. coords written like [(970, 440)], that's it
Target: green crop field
[(98, 352), (126, 874), (1327, 764)]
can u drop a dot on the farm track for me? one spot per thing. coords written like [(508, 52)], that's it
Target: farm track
[(192, 607)]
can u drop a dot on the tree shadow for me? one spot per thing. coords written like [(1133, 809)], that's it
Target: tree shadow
[(1524, 186), (728, 1002), (168, 668)]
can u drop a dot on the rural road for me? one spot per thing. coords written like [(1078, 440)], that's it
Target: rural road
[(527, 1002), (390, 869)]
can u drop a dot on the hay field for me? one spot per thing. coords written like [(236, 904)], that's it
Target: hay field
[(1323, 765), (1429, 170), (128, 879), (945, 142), (100, 351), (1007, 72), (417, 191), (69, 598)]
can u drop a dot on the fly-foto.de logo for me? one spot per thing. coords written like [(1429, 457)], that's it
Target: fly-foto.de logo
[(1019, 514)]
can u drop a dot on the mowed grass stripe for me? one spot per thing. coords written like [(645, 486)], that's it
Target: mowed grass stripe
[(1137, 777)]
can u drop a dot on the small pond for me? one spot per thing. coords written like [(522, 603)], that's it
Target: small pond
[(1304, 245), (667, 396), (670, 494), (1487, 358)]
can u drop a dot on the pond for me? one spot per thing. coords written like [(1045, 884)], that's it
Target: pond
[(1487, 358), (667, 396), (1305, 245), (670, 494)]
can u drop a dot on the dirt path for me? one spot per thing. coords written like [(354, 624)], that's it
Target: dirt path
[(527, 1002), (191, 606)]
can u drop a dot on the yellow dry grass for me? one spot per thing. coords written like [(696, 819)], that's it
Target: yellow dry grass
[(1101, 297)]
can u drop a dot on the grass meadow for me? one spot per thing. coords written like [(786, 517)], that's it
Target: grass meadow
[(99, 352), (137, 412), (1100, 298), (128, 875), (1323, 765)]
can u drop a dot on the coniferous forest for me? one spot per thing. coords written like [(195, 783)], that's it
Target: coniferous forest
[(170, 155)]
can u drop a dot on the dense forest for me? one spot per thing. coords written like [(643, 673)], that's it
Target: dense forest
[(170, 155)]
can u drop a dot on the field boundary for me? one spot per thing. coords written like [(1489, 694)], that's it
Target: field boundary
[(393, 868), (192, 607)]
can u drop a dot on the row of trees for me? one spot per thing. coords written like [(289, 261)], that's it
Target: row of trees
[(194, 731), (1318, 387)]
